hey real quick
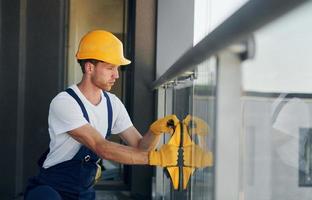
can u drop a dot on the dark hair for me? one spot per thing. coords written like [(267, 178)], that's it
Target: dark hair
[(84, 61)]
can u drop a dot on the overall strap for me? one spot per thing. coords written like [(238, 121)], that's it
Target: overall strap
[(110, 115), (83, 109), (85, 114)]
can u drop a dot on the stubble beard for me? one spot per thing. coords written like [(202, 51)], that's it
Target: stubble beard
[(103, 86)]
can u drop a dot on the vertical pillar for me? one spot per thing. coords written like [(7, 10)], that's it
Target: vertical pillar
[(228, 126)]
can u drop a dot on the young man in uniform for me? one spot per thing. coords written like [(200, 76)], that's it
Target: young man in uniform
[(80, 119)]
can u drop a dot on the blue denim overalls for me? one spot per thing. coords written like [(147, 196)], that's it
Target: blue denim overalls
[(72, 179)]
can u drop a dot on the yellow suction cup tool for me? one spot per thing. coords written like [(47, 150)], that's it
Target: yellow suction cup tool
[(190, 157)]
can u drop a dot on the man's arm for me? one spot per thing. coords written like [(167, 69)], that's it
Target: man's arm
[(132, 137), (133, 154), (91, 138), (167, 155)]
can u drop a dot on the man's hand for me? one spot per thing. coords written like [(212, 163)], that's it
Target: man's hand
[(195, 156), (196, 125), (164, 125), (167, 155)]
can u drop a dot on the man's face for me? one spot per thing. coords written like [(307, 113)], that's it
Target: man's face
[(104, 75)]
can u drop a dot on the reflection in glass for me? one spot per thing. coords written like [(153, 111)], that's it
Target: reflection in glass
[(275, 143)]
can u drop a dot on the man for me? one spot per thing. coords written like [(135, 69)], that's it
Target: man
[(82, 116)]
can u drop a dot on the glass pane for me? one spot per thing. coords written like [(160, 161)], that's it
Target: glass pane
[(276, 104), (210, 14), (194, 97), (203, 108), (182, 106)]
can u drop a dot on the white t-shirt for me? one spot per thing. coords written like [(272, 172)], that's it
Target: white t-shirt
[(65, 114)]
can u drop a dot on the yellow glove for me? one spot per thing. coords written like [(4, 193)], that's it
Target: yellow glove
[(164, 125), (167, 155), (196, 125), (195, 156)]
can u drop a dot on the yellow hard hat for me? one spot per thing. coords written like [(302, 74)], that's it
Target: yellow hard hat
[(102, 45)]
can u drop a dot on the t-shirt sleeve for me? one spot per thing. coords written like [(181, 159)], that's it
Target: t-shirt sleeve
[(121, 117), (65, 114)]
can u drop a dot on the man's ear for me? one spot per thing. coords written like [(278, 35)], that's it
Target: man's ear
[(88, 67)]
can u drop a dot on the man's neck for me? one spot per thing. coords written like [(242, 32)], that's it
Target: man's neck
[(91, 92)]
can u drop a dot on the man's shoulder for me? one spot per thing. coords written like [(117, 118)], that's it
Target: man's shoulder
[(61, 95), (112, 96), (117, 104), (62, 98)]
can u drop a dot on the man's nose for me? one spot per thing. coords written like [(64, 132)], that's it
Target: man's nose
[(116, 73)]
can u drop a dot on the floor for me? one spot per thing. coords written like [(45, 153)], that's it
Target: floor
[(113, 195)]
